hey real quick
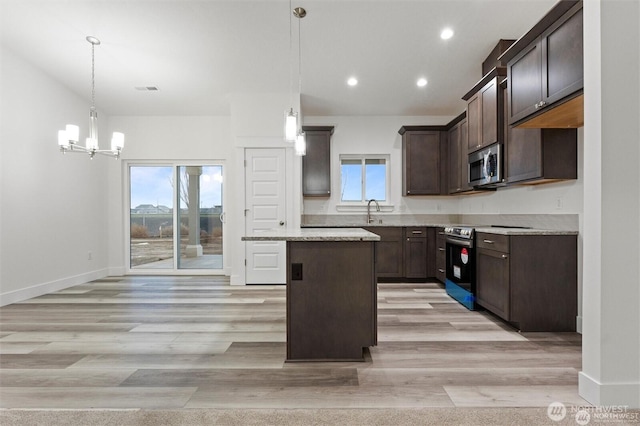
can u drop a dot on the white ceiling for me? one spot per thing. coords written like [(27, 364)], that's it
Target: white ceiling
[(199, 52)]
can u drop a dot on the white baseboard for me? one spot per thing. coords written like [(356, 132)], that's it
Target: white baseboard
[(579, 324), (50, 287), (237, 280), (117, 271), (609, 394)]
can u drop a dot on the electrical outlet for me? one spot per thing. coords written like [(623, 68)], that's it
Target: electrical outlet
[(89, 255)]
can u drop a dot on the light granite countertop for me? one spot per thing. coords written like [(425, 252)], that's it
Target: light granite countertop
[(521, 231), (314, 234)]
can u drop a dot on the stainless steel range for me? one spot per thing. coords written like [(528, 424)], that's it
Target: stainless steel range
[(460, 280)]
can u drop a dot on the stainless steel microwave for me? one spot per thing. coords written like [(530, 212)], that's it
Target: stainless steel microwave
[(485, 167)]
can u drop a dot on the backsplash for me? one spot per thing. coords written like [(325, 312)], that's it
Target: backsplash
[(561, 222)]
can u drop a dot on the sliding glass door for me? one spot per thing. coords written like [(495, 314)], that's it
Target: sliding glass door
[(176, 218)]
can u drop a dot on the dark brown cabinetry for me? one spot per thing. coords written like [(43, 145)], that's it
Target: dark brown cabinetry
[(485, 111), (316, 164), (440, 255), (492, 270), (390, 251), (424, 154), (406, 252), (331, 300), (528, 280), (533, 156), (458, 160), (415, 252), (541, 155), (545, 69)]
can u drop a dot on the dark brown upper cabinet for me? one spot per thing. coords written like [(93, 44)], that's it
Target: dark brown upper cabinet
[(458, 160), (424, 164), (316, 164), (485, 111), (541, 155), (534, 156), (545, 71)]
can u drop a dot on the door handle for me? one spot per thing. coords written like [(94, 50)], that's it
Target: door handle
[(442, 271), (222, 216), (440, 248), (282, 223), (487, 241), (504, 256)]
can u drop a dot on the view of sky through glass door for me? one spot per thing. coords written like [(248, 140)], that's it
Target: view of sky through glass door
[(163, 237)]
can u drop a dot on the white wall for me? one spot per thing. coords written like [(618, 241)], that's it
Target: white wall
[(54, 206), (256, 121), (611, 328), (148, 139), (375, 135)]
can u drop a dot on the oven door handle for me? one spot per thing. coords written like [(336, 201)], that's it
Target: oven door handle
[(462, 243)]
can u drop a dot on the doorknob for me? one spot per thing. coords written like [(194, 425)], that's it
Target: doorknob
[(282, 223)]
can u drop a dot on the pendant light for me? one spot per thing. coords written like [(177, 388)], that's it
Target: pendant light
[(300, 142), (69, 137)]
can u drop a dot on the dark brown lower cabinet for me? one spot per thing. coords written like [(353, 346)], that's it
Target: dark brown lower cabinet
[(530, 281), (390, 251), (493, 272), (331, 300), (415, 252), (440, 255)]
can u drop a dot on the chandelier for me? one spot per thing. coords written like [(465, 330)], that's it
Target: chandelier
[(69, 137)]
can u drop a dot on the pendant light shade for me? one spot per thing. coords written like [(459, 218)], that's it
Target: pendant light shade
[(290, 126), (301, 144)]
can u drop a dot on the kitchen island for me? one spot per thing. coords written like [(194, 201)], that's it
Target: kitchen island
[(331, 292)]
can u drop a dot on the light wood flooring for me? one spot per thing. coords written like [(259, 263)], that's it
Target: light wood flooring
[(197, 342)]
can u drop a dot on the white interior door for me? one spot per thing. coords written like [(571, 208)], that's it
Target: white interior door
[(265, 210)]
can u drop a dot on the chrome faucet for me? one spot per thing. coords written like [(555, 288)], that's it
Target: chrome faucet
[(369, 218)]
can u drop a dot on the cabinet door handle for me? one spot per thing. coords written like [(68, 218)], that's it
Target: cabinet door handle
[(416, 232), (441, 270), (440, 248), (504, 256), (487, 241), (440, 233)]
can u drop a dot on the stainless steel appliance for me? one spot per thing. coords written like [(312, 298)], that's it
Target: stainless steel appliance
[(485, 167), (460, 280)]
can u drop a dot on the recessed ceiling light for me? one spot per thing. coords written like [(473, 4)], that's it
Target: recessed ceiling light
[(446, 34), (352, 81), (421, 82)]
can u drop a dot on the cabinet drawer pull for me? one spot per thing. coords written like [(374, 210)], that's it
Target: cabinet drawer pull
[(504, 256), (441, 270), (416, 232), (488, 241), (440, 248), (441, 233)]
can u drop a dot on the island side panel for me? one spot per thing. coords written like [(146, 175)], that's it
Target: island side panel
[(331, 311)]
